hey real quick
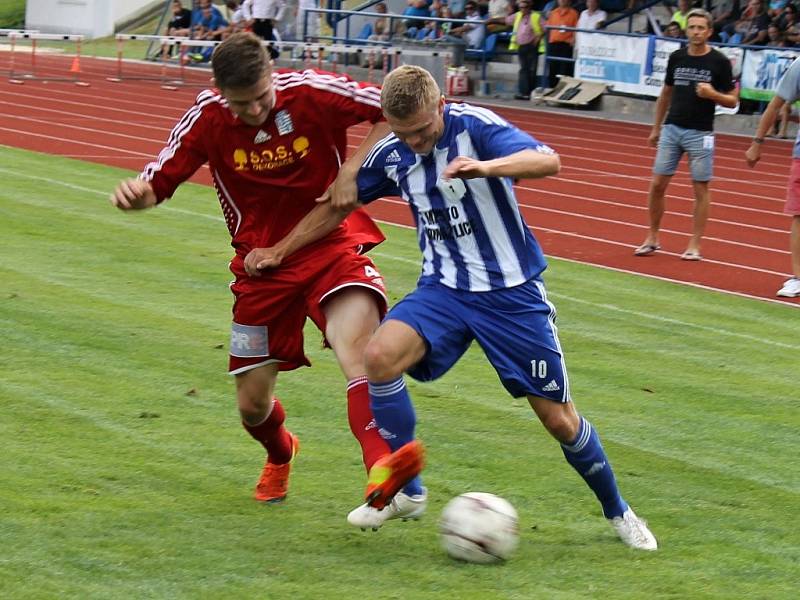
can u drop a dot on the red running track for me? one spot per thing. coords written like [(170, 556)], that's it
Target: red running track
[(593, 212)]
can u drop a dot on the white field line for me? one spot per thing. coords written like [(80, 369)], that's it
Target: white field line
[(609, 307)]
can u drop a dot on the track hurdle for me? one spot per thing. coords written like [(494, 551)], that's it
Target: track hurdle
[(29, 61), (168, 72)]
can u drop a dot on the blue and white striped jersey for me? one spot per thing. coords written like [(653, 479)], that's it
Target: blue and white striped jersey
[(471, 232)]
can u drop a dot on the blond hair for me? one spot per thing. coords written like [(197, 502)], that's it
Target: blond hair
[(407, 90), (702, 14)]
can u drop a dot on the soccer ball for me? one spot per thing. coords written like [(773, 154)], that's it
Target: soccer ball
[(479, 528)]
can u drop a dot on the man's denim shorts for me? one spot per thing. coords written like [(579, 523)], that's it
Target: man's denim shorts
[(674, 141)]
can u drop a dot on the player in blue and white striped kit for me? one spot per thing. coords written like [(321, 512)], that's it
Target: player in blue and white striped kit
[(481, 277), (481, 280)]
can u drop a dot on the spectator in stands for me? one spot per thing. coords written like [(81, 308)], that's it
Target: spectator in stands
[(264, 14), (379, 29), (561, 41), (680, 15), (197, 12), (673, 30), (181, 23), (445, 26), (789, 25), (527, 39), (457, 8), (723, 14), (776, 7), (237, 17), (419, 9), (775, 36), (497, 11), (474, 32), (212, 27), (592, 17), (698, 78), (307, 26), (787, 93), (751, 28), (756, 32)]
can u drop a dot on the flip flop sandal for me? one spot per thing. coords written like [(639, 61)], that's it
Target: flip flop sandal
[(646, 249)]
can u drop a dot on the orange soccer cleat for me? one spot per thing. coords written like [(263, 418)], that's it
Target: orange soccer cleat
[(390, 473), (274, 483)]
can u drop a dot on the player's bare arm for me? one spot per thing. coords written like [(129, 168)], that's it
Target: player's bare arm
[(707, 91), (662, 104), (133, 194), (343, 193), (526, 164), (753, 153), (318, 223)]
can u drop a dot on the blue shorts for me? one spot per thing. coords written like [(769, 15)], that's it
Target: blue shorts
[(674, 141), (515, 328)]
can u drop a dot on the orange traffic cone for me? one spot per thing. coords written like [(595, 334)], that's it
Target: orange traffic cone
[(76, 65)]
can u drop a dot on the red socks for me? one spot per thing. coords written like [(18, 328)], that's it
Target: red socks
[(273, 435), (362, 424)]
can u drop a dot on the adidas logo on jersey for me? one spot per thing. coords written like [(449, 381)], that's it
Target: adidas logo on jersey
[(551, 387), (261, 137), (394, 157)]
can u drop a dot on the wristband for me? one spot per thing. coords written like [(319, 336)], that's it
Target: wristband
[(758, 140)]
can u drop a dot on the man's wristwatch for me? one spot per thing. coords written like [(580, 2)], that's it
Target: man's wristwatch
[(758, 140)]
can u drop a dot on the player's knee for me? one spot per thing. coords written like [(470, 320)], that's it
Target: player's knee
[(560, 425), (378, 362), (254, 400)]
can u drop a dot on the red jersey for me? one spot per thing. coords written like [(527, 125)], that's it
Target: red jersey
[(267, 177)]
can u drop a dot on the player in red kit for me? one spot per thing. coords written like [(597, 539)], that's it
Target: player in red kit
[(274, 143)]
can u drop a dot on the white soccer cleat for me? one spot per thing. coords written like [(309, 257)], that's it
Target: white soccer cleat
[(633, 531), (402, 506), (790, 289)]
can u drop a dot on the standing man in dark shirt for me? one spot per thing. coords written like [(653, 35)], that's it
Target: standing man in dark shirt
[(181, 22), (697, 79)]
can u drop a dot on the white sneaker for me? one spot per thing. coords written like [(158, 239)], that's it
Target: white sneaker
[(633, 531), (790, 289), (402, 506)]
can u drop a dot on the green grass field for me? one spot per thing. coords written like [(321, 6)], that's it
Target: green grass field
[(124, 472), (12, 13)]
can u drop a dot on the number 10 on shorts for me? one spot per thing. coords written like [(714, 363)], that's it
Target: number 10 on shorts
[(539, 368)]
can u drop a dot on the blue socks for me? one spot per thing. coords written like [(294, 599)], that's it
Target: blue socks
[(587, 457), (391, 406)]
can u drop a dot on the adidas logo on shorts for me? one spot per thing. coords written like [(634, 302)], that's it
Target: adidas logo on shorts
[(551, 387)]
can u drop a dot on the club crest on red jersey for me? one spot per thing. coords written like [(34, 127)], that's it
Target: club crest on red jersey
[(283, 121)]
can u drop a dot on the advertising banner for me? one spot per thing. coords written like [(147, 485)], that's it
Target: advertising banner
[(628, 64), (762, 70)]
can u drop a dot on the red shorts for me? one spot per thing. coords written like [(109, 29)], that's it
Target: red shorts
[(792, 206), (269, 311)]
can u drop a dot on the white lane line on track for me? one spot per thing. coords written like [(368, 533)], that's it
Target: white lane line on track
[(217, 218), (641, 207)]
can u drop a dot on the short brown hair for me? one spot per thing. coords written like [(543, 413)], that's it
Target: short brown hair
[(240, 61), (408, 89), (703, 14)]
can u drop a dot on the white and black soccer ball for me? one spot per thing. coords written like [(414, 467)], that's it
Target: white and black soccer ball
[(479, 528)]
